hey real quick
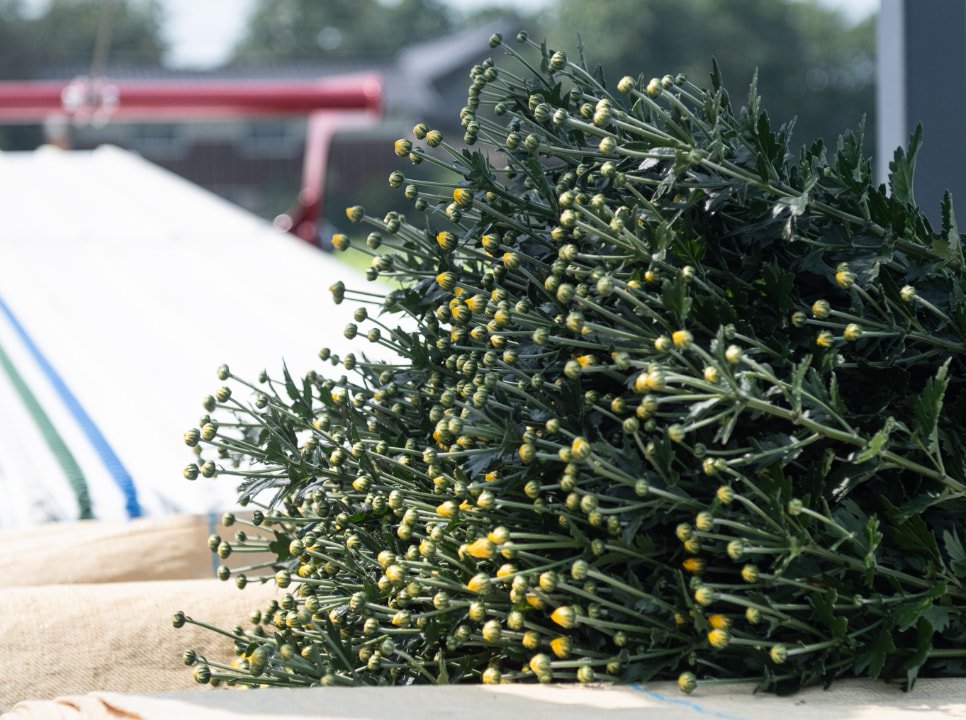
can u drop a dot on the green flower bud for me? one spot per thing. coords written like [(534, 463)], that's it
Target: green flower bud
[(687, 682)]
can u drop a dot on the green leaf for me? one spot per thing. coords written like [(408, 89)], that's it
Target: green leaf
[(874, 655), (924, 633), (956, 551), (875, 445), (948, 245), (902, 169), (907, 614), (674, 293), (928, 407)]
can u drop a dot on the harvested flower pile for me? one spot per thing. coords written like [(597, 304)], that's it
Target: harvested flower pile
[(671, 403)]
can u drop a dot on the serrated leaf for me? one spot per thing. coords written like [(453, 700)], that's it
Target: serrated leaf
[(902, 169), (872, 657), (907, 614), (928, 407), (956, 551), (674, 293), (876, 444)]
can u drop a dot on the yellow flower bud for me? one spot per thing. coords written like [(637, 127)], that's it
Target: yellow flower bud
[(703, 595), (561, 646), (682, 339), (479, 584), (844, 277), (825, 339), (719, 621), (481, 548), (463, 197), (821, 309), (778, 654), (704, 521), (852, 332), (448, 509), (719, 638), (565, 616), (695, 565)]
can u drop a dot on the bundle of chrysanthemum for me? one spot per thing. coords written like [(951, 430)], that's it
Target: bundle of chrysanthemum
[(672, 404)]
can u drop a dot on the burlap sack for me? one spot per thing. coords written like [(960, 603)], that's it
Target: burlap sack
[(87, 605), (74, 639), (167, 548)]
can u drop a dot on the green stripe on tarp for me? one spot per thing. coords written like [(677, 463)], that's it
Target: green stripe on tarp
[(73, 472)]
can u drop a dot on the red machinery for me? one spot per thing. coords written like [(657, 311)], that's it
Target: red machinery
[(328, 103)]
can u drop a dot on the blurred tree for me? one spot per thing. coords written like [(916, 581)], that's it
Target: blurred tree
[(63, 36), (344, 29), (812, 64)]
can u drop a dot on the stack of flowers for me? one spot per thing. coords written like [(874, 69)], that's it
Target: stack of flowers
[(669, 404)]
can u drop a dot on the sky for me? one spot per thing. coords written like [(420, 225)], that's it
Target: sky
[(201, 33)]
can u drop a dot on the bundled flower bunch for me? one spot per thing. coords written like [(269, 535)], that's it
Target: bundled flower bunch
[(670, 403)]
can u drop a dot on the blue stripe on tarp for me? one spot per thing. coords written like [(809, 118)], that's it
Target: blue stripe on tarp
[(686, 703), (110, 459)]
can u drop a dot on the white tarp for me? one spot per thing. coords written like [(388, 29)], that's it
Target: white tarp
[(122, 289)]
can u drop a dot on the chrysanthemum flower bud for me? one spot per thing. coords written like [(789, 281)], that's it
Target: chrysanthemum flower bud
[(355, 213), (434, 138), (492, 631), (202, 674), (482, 548), (192, 436), (736, 549), (496, 39), (480, 584), (821, 309), (778, 654), (607, 146), (687, 682), (753, 615), (626, 84), (565, 616), (825, 339), (704, 521), (798, 318), (719, 638), (733, 354), (190, 472), (908, 293), (562, 646), (446, 280), (654, 87), (403, 147), (703, 595), (549, 581), (580, 448), (852, 332), (676, 432), (682, 339), (558, 61), (844, 277), (694, 564)]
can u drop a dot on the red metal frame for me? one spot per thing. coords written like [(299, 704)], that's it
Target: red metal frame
[(328, 103)]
